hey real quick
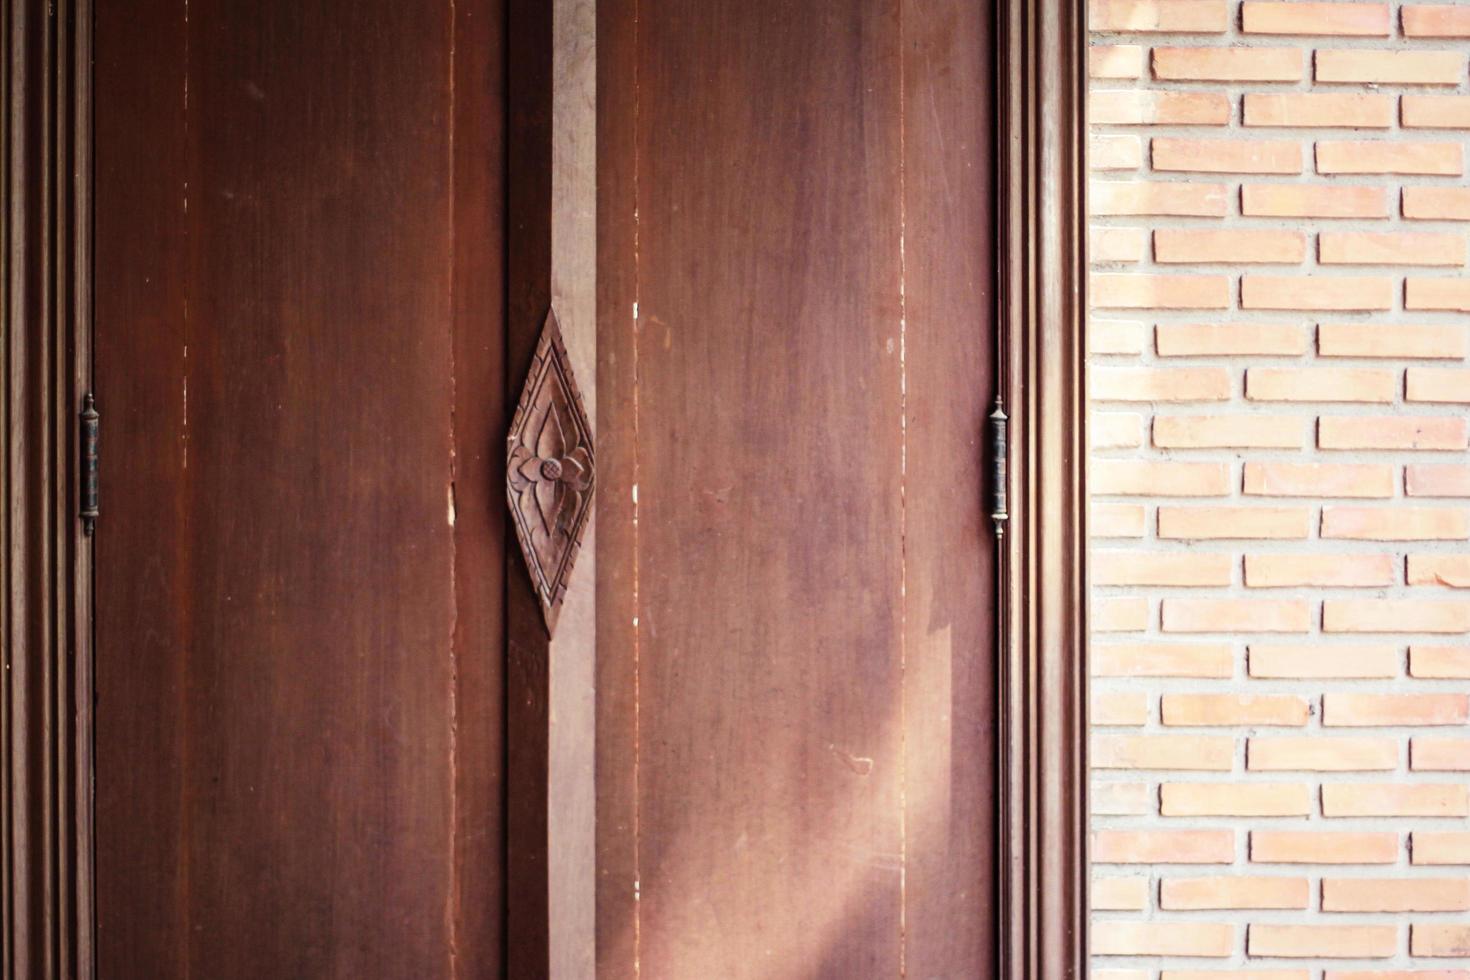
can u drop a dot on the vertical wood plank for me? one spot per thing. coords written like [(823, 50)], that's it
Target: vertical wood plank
[(299, 272), (769, 490), (45, 349), (949, 690), (481, 413), (617, 584)]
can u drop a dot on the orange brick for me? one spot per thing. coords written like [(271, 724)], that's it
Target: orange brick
[(1229, 339), (1439, 754), (1390, 248), (1395, 800), (1181, 710), (1142, 478), (1209, 753), (1234, 523), (1436, 20), (1119, 894), (1321, 384), (1395, 524), (1359, 19), (1317, 753), (1395, 616), (1229, 431), (1391, 67), (1137, 384), (1384, 975), (1116, 244), (1319, 847), (1116, 336), (1138, 291), (1235, 892), (1115, 521), (1340, 709), (1120, 614), (1115, 61), (1127, 938), (1431, 385), (1259, 292), (1126, 107), (1321, 110), (1439, 939), (1389, 157), (1313, 201), (1163, 846), (1429, 662), (1110, 799), (1392, 432), (1235, 799), (1174, 16), (1117, 709), (1440, 847), (1319, 570), (1437, 203), (1437, 481), (1228, 64), (1318, 479), (1395, 894), (1426, 341), (1235, 975), (1173, 245), (1183, 568), (1236, 615), (1320, 661), (1138, 197), (1440, 293), (1226, 156), (1322, 942), (1095, 974), (1114, 152), (1447, 570), (1209, 660), (1115, 430), (1435, 111)]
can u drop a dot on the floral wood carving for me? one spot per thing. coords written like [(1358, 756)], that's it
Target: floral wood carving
[(549, 470)]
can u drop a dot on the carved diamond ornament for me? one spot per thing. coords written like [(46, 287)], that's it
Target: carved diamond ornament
[(549, 470)]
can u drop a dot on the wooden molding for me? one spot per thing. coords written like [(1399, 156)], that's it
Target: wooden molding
[(45, 687), (1041, 82)]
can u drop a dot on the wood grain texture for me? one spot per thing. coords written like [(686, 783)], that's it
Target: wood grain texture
[(949, 624), (753, 764), (481, 535), (283, 316), (529, 53), (1041, 75), (45, 585), (616, 580)]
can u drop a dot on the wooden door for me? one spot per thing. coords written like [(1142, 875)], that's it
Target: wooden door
[(796, 616), (299, 569), (302, 327)]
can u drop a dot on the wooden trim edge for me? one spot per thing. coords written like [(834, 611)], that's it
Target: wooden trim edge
[(46, 918), (1041, 208)]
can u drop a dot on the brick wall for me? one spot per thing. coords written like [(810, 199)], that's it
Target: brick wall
[(1282, 490)]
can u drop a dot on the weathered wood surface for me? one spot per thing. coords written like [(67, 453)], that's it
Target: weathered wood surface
[(796, 648), (297, 672)]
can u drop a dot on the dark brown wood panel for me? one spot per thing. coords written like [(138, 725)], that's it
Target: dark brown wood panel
[(796, 769), (949, 625), (298, 684), (756, 739), (617, 535)]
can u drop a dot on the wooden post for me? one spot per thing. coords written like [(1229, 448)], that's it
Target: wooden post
[(551, 684)]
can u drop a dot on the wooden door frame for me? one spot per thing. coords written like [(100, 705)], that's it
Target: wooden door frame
[(46, 918)]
